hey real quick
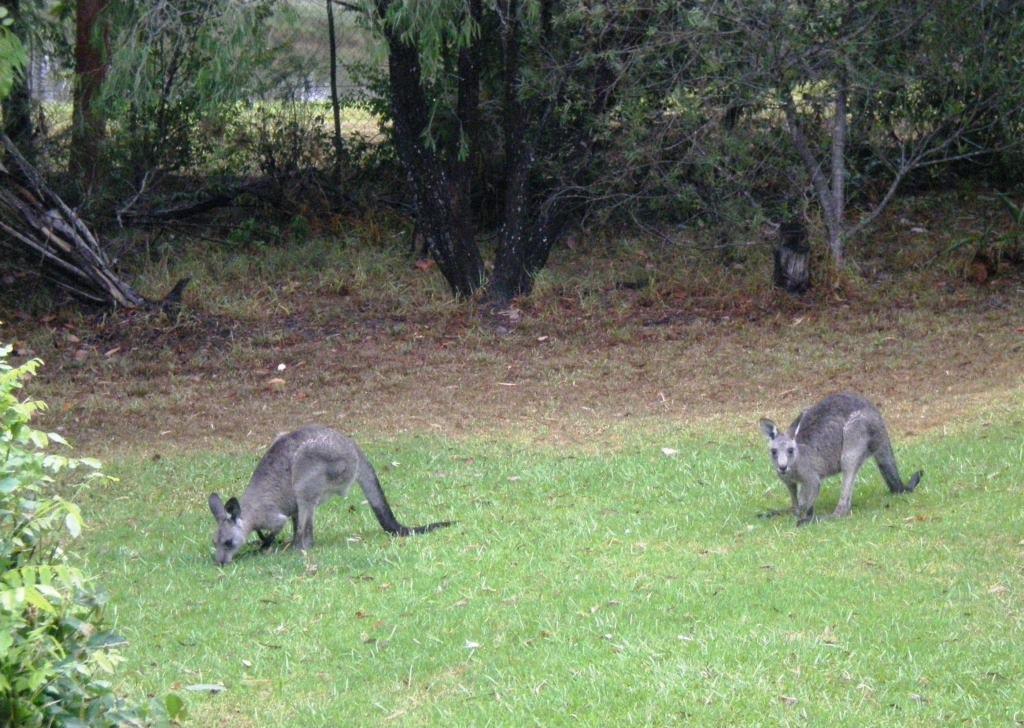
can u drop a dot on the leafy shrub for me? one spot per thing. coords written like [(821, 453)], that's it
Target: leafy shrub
[(168, 102), (12, 54), (55, 655)]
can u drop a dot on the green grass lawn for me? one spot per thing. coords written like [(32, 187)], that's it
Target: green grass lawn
[(621, 587)]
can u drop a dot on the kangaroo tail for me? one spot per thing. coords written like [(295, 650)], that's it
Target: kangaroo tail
[(426, 529), (370, 484), (887, 465)]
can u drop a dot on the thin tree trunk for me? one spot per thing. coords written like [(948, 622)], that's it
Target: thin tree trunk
[(335, 104), (826, 197), (88, 126), (836, 242), (839, 152)]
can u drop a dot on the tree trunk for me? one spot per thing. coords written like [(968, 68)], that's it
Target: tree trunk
[(529, 229), (526, 241), (443, 211), (836, 233), (335, 104), (532, 219), (511, 276), (88, 126), (829, 198), (17, 107), (839, 154)]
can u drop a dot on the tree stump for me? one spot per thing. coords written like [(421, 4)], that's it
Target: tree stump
[(793, 258)]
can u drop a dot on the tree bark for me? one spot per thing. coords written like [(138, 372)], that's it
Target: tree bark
[(533, 212), (442, 211), (836, 235), (825, 193), (839, 151), (335, 104), (88, 125), (512, 276), (533, 219)]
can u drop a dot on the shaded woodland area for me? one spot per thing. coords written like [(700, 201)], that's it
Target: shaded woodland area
[(494, 131)]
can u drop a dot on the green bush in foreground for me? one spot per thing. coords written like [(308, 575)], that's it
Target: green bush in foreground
[(54, 651)]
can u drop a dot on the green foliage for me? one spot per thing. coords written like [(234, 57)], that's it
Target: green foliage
[(292, 137), (252, 234), (647, 113), (299, 229), (12, 54), (55, 655), (272, 138), (177, 71)]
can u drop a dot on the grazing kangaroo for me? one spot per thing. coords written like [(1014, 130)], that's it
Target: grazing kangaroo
[(834, 436), (300, 471)]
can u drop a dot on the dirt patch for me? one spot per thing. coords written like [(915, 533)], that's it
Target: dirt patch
[(558, 370), (618, 336)]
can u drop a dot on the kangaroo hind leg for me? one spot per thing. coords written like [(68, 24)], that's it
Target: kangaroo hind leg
[(845, 504), (310, 484), (855, 452)]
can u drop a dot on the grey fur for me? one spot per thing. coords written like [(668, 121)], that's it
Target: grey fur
[(300, 471), (837, 435)]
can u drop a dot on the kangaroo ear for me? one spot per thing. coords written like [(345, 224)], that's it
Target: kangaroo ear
[(217, 507), (233, 508), (768, 428)]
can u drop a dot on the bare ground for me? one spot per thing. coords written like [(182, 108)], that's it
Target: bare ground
[(564, 369)]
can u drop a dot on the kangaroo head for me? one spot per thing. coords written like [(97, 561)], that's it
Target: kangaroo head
[(231, 533), (783, 447)]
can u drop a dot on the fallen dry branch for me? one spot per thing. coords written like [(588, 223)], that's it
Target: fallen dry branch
[(287, 192), (225, 198), (37, 226)]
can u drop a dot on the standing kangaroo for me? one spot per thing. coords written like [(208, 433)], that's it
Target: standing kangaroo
[(834, 436), (300, 471)]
